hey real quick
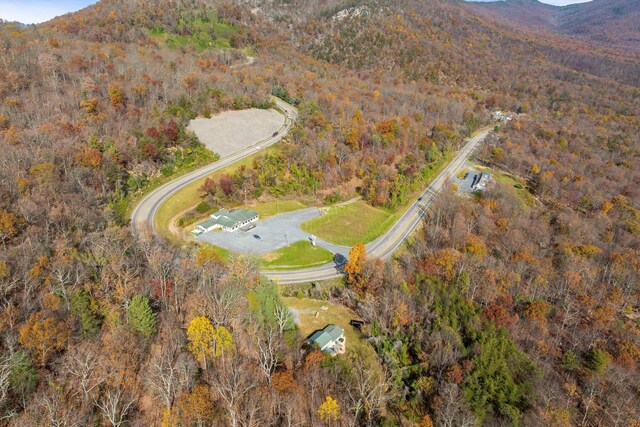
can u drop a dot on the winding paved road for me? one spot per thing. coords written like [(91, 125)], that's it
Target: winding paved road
[(385, 245), (142, 217)]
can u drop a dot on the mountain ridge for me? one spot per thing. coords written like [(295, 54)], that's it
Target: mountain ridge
[(608, 22)]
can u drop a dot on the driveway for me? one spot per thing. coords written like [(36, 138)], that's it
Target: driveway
[(275, 232)]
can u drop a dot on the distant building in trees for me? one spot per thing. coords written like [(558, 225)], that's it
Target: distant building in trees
[(474, 181), (228, 220), (501, 116)]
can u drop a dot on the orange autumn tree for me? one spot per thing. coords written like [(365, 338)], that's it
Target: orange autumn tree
[(284, 381), (195, 408), (10, 225), (354, 267), (43, 334)]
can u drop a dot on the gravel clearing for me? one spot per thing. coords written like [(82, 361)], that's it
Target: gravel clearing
[(231, 131)]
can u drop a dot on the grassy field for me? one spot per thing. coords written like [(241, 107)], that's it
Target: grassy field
[(361, 223), (518, 184), (350, 224), (462, 172), (277, 207), (297, 255), (323, 286), (335, 314), (209, 33)]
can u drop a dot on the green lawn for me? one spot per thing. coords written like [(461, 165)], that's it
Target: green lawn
[(519, 185), (297, 255), (267, 209), (223, 253), (334, 314), (350, 224)]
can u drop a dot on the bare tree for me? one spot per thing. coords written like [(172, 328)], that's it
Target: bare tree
[(5, 372), (283, 316), (57, 411), (169, 372), (82, 364), (115, 406), (369, 391), (267, 343), (452, 410), (224, 300), (233, 380)]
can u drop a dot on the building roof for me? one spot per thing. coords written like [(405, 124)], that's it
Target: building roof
[(229, 218), (208, 223), (335, 331), (329, 334)]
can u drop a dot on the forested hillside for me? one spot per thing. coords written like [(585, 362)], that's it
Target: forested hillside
[(606, 22), (520, 305)]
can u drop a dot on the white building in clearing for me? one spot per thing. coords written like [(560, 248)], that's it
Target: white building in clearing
[(481, 181), (227, 220)]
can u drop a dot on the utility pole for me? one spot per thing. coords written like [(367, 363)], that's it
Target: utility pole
[(286, 236)]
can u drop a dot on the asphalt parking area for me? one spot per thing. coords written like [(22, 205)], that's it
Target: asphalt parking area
[(228, 132), (274, 233)]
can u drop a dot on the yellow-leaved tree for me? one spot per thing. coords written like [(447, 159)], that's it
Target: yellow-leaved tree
[(207, 341), (353, 267), (329, 410)]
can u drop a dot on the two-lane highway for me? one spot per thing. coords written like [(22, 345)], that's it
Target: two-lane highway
[(385, 245), (142, 219), (143, 215)]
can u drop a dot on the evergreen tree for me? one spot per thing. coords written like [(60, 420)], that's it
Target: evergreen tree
[(90, 322), (24, 377), (598, 360), (502, 377), (140, 316)]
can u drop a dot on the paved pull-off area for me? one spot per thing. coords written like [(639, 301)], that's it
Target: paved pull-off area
[(145, 212), (231, 131), (274, 233), (382, 247)]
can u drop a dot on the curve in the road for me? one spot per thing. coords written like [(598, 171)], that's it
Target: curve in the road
[(385, 245), (142, 218)]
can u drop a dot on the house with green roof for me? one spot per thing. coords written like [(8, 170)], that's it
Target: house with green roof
[(330, 340), (228, 220)]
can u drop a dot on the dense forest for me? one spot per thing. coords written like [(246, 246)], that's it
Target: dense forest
[(517, 306)]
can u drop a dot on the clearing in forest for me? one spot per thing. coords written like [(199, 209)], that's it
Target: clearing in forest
[(312, 315), (301, 254), (349, 224)]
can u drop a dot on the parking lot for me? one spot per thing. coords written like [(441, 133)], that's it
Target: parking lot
[(272, 233), (228, 132)]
